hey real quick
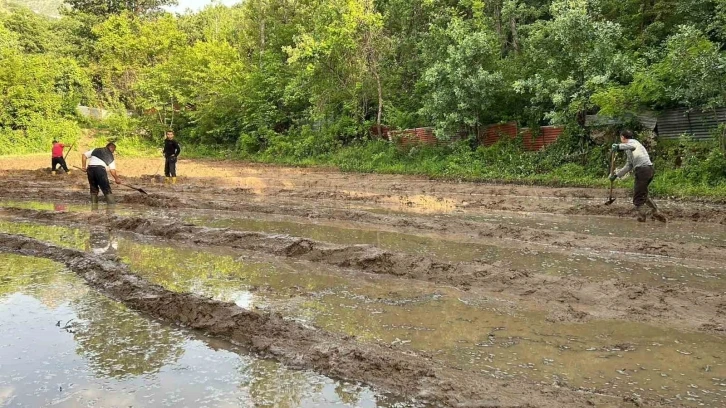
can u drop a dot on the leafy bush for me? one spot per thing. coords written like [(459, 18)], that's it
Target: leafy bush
[(38, 137)]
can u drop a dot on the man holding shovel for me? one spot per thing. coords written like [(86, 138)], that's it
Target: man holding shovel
[(641, 166), (98, 161), (57, 157)]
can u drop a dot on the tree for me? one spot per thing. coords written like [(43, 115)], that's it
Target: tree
[(106, 8), (465, 88), (339, 55)]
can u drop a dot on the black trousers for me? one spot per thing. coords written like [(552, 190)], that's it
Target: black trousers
[(170, 166), (643, 177), (60, 161), (98, 180)]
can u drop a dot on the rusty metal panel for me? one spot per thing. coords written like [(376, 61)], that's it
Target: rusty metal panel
[(547, 136), (492, 133)]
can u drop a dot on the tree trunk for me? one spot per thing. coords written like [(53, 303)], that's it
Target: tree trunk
[(380, 102), (515, 35)]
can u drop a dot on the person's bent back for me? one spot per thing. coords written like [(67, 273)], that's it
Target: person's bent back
[(94, 163)]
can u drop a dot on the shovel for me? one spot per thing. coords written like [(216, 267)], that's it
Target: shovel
[(69, 151), (140, 190), (611, 199)]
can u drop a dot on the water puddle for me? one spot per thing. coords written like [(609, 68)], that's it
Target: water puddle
[(639, 269), (674, 231), (469, 330), (64, 345)]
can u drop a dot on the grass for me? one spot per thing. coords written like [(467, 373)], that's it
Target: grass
[(702, 175)]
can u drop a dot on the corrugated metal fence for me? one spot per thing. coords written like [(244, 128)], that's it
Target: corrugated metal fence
[(698, 124)]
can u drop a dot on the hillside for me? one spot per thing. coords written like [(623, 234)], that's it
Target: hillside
[(44, 7)]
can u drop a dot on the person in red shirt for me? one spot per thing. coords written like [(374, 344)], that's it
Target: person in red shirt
[(57, 153)]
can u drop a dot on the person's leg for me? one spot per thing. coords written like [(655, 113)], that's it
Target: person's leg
[(93, 184), (105, 186), (651, 203), (643, 176), (167, 170), (54, 164), (62, 162), (172, 170)]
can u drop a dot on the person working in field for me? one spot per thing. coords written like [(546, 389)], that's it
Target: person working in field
[(98, 161), (641, 166), (57, 158), (171, 153)]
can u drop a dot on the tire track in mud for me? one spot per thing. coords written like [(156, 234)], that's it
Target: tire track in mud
[(571, 299), (467, 195), (477, 230), (404, 373)]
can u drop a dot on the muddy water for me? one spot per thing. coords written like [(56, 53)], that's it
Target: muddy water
[(633, 268), (468, 329), (64, 345)]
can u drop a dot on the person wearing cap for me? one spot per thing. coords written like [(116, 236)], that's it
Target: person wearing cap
[(94, 163), (639, 163), (57, 158), (171, 153)]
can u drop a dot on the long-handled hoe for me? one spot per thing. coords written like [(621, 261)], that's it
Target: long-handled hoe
[(611, 199), (140, 190)]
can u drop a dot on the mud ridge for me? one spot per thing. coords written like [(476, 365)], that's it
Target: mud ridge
[(573, 299), (404, 373), (475, 230)]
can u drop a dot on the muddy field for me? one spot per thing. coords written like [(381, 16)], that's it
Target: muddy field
[(406, 290)]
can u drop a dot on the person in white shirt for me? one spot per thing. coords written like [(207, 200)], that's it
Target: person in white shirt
[(94, 163), (639, 163)]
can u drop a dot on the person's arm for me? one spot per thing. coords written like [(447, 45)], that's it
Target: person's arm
[(116, 178), (177, 149), (112, 170), (84, 158), (628, 166)]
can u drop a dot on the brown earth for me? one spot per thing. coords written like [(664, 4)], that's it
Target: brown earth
[(405, 373), (539, 220), (566, 298)]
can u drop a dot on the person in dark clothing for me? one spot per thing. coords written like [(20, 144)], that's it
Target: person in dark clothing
[(57, 158), (98, 161), (171, 153)]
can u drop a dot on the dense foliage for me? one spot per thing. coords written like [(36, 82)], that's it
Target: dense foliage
[(303, 79)]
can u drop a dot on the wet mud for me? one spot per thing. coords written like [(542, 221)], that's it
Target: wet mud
[(405, 373), (578, 276), (565, 298), (66, 345)]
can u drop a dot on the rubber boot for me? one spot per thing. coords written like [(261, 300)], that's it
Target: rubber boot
[(642, 213), (656, 214), (53, 172), (110, 199), (167, 180), (94, 201), (173, 180)]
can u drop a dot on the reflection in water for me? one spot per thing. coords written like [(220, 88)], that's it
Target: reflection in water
[(83, 349), (117, 343), (102, 241), (574, 263), (468, 329)]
